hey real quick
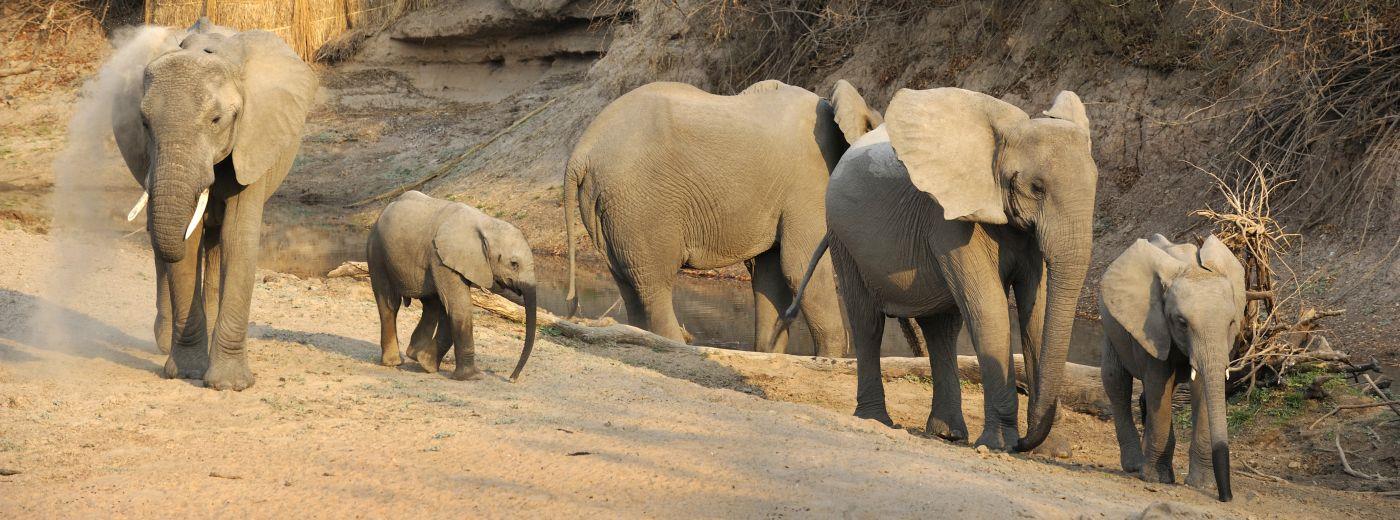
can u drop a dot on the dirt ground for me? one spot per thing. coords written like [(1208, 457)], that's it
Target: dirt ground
[(590, 429), (603, 429)]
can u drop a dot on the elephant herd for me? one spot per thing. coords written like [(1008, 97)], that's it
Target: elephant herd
[(943, 211)]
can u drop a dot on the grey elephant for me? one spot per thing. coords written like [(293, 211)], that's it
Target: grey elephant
[(669, 176), (434, 251), (209, 122), (933, 215), (1172, 312)]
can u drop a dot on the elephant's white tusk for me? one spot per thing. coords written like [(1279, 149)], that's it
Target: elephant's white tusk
[(198, 212), (1193, 374), (140, 205)]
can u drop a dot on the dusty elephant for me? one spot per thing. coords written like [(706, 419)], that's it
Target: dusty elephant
[(209, 122), (434, 251), (932, 216), (669, 176), (1172, 312)]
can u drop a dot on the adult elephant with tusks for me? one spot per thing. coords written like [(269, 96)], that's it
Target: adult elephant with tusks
[(209, 124), (669, 176), (934, 215)]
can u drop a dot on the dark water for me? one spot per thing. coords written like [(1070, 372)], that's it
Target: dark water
[(717, 312)]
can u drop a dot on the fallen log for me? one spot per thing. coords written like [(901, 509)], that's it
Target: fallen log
[(1082, 389)]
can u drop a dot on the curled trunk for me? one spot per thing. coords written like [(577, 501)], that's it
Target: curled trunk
[(531, 306)]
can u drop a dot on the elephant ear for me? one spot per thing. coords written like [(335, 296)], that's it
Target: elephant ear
[(126, 72), (853, 116), (1067, 107), (1132, 290), (947, 139), (1218, 258), (277, 89), (767, 85), (461, 246)]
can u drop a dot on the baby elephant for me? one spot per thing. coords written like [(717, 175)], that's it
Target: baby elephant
[(434, 250), (1171, 312)]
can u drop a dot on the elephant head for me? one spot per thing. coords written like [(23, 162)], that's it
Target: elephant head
[(219, 104), (1177, 297), (492, 255), (986, 161)]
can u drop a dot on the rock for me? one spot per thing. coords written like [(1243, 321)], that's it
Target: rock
[(982, 449), (1293, 464)]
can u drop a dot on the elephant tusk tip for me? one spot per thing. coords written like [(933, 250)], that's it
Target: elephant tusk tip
[(140, 205)]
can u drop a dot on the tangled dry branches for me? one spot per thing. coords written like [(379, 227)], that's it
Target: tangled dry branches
[(1270, 344)]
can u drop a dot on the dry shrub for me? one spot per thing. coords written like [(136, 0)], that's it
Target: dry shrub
[(1271, 343), (46, 45), (1329, 116)]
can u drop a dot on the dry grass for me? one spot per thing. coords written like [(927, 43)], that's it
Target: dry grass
[(307, 25), (46, 45)]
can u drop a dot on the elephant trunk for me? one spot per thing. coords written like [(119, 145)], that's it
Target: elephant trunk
[(1067, 259), (531, 304), (175, 195), (1212, 387)]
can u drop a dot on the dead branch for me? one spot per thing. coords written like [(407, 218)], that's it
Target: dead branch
[(1346, 466), (1339, 408), (1260, 474), (1082, 390), (452, 164)]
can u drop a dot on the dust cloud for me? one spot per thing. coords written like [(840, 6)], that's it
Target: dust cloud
[(91, 194)]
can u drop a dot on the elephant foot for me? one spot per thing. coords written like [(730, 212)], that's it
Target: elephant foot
[(391, 360), (428, 359), (1199, 476), (875, 412), (187, 363), (1132, 464), (1056, 446), (997, 437), (1158, 473), (466, 373), (948, 428), (229, 374)]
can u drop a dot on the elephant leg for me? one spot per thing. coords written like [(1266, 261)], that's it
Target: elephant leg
[(239, 240), (867, 327), (213, 277), (990, 329), (456, 300), (189, 349), (1030, 312), (1159, 441), (647, 293), (1200, 469), (422, 346), (771, 297), (820, 306), (1118, 384), (163, 326), (945, 417), (388, 302)]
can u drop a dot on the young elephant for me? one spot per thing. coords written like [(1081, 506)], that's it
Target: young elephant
[(1171, 312), (433, 250)]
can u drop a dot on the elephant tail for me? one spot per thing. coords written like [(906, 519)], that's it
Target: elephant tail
[(572, 184), (786, 318)]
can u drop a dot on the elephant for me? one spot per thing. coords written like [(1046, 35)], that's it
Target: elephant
[(933, 215), (209, 122), (1171, 312), (669, 176), (434, 251)]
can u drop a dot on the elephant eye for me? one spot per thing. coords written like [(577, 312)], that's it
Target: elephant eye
[(216, 119), (1038, 187)]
